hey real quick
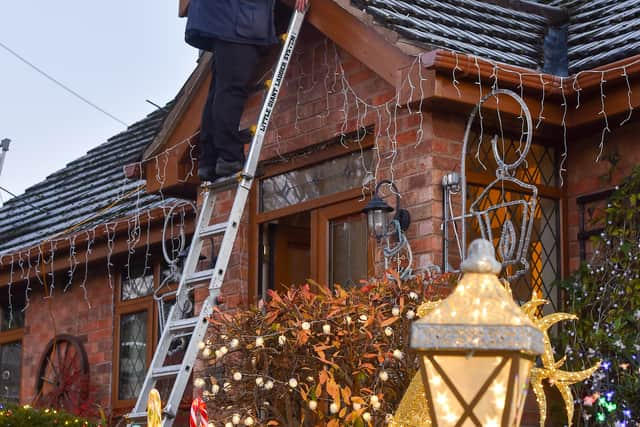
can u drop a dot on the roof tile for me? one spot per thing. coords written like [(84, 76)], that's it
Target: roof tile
[(83, 191)]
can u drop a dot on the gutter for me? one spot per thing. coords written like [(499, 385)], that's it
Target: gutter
[(443, 60)]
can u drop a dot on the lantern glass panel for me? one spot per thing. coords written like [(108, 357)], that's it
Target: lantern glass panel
[(486, 378), (377, 221)]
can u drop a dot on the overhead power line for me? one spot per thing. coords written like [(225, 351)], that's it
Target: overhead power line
[(62, 85), (24, 201)]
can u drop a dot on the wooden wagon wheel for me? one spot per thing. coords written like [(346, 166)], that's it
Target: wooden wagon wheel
[(63, 377)]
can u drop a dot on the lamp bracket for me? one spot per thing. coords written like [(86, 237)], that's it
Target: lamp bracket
[(397, 251)]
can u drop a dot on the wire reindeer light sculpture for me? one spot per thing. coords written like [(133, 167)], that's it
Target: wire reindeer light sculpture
[(513, 244)]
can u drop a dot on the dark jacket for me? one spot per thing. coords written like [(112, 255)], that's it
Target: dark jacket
[(240, 21)]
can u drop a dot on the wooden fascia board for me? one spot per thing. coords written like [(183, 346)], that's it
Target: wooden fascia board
[(619, 98), (359, 39), (469, 68), (167, 162), (98, 250), (465, 93), (183, 100)]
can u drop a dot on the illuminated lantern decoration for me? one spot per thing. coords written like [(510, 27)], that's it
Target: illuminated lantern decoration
[(476, 349)]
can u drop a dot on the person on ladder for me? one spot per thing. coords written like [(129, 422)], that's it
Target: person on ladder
[(236, 31)]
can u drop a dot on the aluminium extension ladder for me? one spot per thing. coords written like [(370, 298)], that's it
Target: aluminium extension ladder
[(178, 326)]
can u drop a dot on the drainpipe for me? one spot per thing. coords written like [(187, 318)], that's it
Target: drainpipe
[(4, 147)]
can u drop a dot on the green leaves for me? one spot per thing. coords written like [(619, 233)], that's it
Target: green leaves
[(605, 294)]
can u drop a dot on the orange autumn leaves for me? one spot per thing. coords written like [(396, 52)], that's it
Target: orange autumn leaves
[(315, 356)]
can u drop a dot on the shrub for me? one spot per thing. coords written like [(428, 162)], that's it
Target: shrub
[(12, 415), (605, 294), (315, 356)]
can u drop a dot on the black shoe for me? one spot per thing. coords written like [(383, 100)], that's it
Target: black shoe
[(207, 173), (226, 168)]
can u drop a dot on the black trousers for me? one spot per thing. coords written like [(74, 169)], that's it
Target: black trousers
[(232, 68)]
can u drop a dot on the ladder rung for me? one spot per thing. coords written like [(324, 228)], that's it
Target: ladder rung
[(169, 371), (214, 229), (187, 324), (223, 183), (199, 276), (137, 417)]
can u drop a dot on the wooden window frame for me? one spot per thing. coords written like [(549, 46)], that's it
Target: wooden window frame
[(12, 336), (131, 306), (339, 200)]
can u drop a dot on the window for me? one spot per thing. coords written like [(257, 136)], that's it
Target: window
[(305, 184), (591, 216), (540, 169), (309, 223), (138, 326), (12, 301)]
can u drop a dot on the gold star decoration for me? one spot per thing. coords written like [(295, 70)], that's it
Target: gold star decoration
[(550, 369), (412, 411)]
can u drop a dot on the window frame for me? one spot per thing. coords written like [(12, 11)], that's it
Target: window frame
[(132, 306), (557, 194), (327, 204), (13, 336)]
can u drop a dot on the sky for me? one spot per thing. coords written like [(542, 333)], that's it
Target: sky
[(116, 53)]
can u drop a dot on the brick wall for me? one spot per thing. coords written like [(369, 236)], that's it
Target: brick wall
[(68, 313), (316, 105), (585, 175)]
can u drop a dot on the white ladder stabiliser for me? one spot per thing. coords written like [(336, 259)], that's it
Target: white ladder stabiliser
[(178, 324)]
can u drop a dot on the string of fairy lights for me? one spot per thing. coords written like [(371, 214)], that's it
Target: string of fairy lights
[(613, 276), (356, 108)]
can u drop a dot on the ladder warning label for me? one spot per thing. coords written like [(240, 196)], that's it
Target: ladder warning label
[(277, 82)]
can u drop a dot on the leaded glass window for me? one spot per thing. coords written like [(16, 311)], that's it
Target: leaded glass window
[(137, 280), (301, 185), (10, 356), (544, 252), (132, 354), (541, 169)]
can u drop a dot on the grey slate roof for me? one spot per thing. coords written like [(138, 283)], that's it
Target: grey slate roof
[(602, 31), (599, 31), (81, 189)]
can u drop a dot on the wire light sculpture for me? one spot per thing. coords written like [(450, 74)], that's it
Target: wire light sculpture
[(512, 244)]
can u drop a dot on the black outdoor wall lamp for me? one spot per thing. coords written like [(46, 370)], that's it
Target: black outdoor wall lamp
[(377, 211)]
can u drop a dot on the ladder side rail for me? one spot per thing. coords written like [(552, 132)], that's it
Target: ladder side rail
[(165, 339), (189, 360), (272, 95), (193, 257), (224, 254)]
